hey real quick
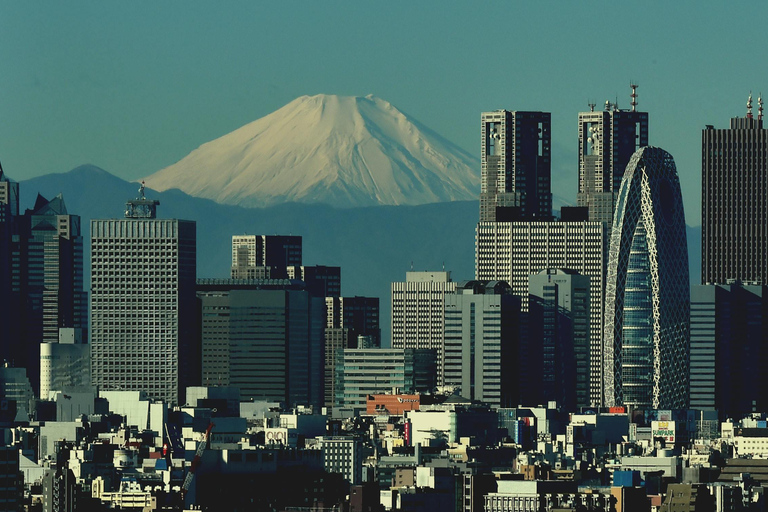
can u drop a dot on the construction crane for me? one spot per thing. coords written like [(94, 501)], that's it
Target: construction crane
[(196, 461)]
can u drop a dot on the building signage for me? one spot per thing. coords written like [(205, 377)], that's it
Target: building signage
[(664, 430)]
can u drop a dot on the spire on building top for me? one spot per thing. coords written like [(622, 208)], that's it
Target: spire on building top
[(749, 106), (634, 87), (759, 111)]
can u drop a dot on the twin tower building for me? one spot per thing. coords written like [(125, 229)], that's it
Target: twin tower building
[(626, 237)]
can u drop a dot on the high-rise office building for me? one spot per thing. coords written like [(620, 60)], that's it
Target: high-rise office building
[(264, 337), (647, 298), (558, 349), (418, 313), (351, 322), (363, 372), (734, 201), (729, 326), (52, 273), (513, 251), (516, 166), (607, 140), (41, 276), (144, 326), (10, 351), (320, 280), (264, 256), (481, 341)]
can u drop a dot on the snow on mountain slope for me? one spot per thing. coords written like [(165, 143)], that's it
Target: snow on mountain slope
[(340, 150)]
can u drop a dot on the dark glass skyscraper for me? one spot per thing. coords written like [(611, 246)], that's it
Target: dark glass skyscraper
[(264, 336), (647, 300), (9, 280), (734, 202), (41, 276)]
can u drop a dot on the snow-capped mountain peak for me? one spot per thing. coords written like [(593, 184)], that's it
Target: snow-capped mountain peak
[(341, 150)]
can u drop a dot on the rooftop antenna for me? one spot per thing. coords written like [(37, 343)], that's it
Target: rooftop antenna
[(759, 112), (411, 265), (616, 105), (633, 95), (591, 106), (749, 106), (443, 266)]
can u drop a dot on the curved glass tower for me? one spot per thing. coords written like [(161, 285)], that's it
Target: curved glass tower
[(647, 302)]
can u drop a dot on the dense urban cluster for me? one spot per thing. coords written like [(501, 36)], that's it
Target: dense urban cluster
[(578, 370)]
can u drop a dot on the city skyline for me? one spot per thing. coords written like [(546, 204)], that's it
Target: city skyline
[(138, 90)]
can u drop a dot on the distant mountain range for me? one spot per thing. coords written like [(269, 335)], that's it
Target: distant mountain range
[(374, 246), (341, 151)]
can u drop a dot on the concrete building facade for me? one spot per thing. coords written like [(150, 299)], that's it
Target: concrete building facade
[(515, 166), (481, 340), (418, 313), (513, 251), (144, 327), (264, 256), (607, 140)]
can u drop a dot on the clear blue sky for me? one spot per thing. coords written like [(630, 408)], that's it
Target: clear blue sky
[(134, 86)]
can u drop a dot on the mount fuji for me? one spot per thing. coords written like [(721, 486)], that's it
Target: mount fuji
[(344, 151)]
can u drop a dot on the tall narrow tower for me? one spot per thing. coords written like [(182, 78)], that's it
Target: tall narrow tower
[(647, 297), (734, 201), (143, 310), (607, 140), (10, 350), (516, 166)]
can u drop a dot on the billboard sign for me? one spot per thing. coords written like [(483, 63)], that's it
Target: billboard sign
[(664, 430)]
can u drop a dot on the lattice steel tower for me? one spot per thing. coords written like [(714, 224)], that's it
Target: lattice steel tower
[(647, 299)]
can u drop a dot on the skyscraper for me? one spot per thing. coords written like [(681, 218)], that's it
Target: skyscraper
[(351, 322), (264, 337), (558, 333), (513, 251), (144, 326), (418, 313), (41, 276), (734, 201), (729, 326), (264, 256), (320, 280), (481, 341), (9, 278), (647, 299), (607, 140), (516, 166), (52, 270)]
